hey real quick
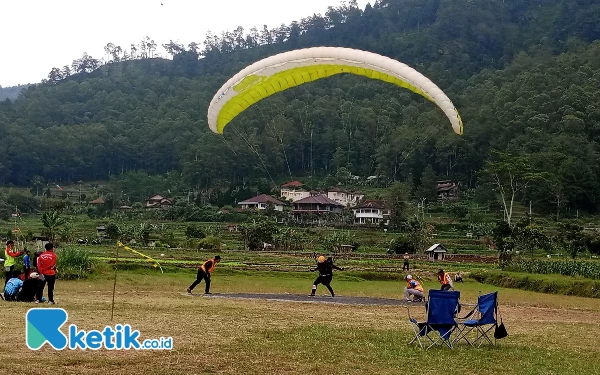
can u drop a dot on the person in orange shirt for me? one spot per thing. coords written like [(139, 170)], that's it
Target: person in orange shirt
[(46, 266), (204, 274), (445, 280), (413, 288)]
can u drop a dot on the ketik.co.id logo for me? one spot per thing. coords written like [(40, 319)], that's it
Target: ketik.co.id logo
[(43, 326)]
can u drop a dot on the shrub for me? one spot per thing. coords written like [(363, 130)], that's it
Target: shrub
[(193, 231), (210, 243), (73, 263)]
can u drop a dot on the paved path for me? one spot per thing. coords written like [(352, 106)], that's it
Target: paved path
[(344, 300)]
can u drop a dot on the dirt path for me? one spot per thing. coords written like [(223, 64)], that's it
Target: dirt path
[(343, 300)]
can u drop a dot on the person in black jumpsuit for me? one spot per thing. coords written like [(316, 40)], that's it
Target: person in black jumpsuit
[(325, 268)]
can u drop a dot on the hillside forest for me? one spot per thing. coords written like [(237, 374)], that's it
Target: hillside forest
[(524, 75)]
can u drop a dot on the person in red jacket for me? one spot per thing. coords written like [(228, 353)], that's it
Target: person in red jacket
[(46, 266)]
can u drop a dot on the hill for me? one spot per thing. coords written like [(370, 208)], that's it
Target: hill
[(11, 93), (524, 76)]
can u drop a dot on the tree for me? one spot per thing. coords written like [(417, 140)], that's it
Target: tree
[(397, 199), (258, 231), (428, 188), (510, 175), (571, 238), (51, 220), (85, 64)]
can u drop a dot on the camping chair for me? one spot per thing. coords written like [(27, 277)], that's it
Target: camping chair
[(483, 321), (442, 307)]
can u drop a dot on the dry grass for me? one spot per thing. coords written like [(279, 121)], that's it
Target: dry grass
[(548, 334)]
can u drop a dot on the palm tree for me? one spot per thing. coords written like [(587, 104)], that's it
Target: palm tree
[(52, 220)]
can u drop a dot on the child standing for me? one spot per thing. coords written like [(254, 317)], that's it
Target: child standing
[(26, 264)]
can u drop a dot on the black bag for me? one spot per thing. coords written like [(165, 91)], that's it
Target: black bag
[(500, 331)]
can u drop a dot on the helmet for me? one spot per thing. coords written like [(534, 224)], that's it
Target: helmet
[(321, 259), (408, 277)]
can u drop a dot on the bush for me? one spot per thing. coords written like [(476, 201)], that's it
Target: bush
[(401, 245), (73, 263), (192, 231), (210, 243)]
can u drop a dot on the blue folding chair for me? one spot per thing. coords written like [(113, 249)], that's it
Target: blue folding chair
[(441, 308), (485, 318)]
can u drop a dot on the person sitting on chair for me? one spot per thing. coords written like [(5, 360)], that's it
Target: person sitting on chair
[(413, 288)]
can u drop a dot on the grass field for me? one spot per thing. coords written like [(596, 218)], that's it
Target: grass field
[(548, 334)]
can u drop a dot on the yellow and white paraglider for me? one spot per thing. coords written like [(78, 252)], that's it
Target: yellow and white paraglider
[(280, 72)]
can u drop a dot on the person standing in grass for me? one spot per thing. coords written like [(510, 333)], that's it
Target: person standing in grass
[(406, 265), (26, 264), (325, 268), (204, 274), (9, 259), (46, 266)]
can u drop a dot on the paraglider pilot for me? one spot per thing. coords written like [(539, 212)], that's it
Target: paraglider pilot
[(325, 268)]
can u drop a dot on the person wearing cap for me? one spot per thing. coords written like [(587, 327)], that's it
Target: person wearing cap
[(325, 268), (46, 266), (204, 274), (413, 288), (9, 259), (30, 288), (445, 280)]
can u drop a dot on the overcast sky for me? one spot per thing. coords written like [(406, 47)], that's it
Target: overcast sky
[(37, 35)]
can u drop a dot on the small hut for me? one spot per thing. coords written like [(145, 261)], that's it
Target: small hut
[(436, 252)]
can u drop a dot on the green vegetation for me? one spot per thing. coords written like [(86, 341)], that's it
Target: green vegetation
[(73, 263), (588, 269), (541, 284)]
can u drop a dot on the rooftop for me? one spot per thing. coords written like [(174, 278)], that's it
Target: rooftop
[(263, 198)]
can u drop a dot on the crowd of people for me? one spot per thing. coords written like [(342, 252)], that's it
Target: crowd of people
[(28, 285)]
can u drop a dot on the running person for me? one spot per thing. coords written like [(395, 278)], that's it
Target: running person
[(325, 268), (204, 274)]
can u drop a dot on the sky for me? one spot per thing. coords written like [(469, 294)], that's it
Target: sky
[(37, 35)]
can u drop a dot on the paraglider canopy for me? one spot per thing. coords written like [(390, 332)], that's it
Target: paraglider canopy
[(280, 72)]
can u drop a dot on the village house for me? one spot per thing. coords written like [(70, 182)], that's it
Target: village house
[(345, 198), (294, 191), (261, 202), (97, 201), (316, 205), (158, 201), (371, 212), (447, 189)]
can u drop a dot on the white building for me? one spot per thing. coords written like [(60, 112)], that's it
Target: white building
[(261, 202), (371, 213), (294, 191), (345, 198)]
